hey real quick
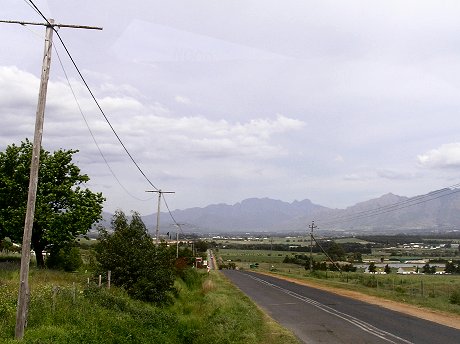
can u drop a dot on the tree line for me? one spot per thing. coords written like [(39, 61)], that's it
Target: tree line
[(66, 209)]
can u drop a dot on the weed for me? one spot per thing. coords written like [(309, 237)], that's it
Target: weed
[(455, 297)]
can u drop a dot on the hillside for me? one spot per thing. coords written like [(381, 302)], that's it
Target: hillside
[(438, 210)]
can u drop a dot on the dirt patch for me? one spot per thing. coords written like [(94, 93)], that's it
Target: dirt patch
[(447, 319)]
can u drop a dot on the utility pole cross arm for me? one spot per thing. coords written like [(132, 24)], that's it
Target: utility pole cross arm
[(160, 192), (52, 24)]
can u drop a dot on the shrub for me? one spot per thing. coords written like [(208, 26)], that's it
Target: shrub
[(455, 298), (67, 259), (143, 269)]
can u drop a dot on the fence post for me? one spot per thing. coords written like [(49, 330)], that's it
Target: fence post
[(109, 275), (100, 281)]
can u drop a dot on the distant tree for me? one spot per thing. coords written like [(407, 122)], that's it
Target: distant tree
[(348, 268), (64, 207), (450, 267), (372, 267), (387, 269), (336, 252), (427, 269), (144, 270), (358, 257), (201, 246)]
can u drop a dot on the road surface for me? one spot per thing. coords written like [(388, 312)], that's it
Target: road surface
[(317, 316)]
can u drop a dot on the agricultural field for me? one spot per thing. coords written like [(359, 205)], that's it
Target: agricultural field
[(251, 240), (253, 256)]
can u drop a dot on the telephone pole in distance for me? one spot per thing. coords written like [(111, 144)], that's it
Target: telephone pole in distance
[(312, 226), (158, 210)]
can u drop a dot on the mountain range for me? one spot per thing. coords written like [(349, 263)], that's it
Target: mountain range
[(438, 210)]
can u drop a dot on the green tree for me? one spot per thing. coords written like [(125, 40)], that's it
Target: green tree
[(427, 269), (372, 267), (387, 269), (64, 207), (201, 246), (336, 252), (6, 245), (144, 270)]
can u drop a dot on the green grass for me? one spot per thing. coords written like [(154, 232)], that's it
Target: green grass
[(63, 309), (254, 256)]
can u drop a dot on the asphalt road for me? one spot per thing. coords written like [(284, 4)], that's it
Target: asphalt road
[(317, 316)]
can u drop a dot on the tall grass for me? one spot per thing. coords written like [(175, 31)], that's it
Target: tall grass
[(63, 309), (218, 313)]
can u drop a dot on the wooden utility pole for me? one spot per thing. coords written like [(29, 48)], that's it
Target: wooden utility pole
[(312, 226), (24, 291), (178, 227), (158, 211), (177, 245)]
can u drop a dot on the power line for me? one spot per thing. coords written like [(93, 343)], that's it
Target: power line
[(32, 7), (394, 207), (91, 132), (172, 217), (92, 94)]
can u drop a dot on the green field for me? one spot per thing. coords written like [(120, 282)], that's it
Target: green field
[(298, 241), (253, 256)]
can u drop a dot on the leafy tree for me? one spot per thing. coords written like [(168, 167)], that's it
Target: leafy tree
[(6, 245), (64, 207), (144, 270), (387, 269), (201, 246), (372, 267), (348, 268), (427, 269), (452, 267), (336, 252)]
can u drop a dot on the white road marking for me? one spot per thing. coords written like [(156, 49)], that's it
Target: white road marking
[(387, 336)]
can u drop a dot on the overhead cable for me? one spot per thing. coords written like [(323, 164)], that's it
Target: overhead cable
[(92, 95)]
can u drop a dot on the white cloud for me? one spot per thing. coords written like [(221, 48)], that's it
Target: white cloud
[(182, 100), (339, 159), (446, 156)]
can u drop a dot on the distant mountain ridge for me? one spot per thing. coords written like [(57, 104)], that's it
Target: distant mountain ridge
[(388, 212)]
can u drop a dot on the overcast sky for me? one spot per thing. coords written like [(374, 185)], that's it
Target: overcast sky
[(334, 101)]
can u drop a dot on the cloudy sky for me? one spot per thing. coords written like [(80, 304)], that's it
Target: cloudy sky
[(334, 101)]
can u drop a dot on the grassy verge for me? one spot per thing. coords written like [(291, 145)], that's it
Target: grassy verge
[(207, 309)]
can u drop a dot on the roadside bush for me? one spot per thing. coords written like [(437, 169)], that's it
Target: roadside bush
[(191, 277), (455, 297), (143, 269), (67, 259)]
